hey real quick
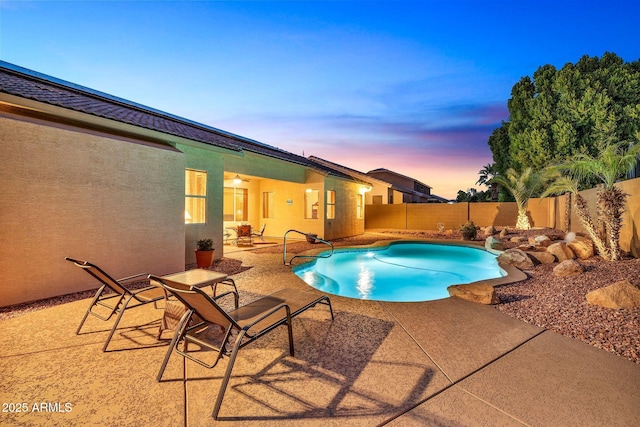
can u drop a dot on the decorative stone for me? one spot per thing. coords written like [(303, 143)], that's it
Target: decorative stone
[(518, 239), (542, 257), (517, 258), (482, 293), (561, 251), (504, 232), (493, 243), (568, 268), (619, 295), (582, 247), (489, 230)]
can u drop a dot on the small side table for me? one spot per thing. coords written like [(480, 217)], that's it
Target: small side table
[(198, 278)]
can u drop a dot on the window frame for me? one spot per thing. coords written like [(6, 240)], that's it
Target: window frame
[(197, 216), (330, 201)]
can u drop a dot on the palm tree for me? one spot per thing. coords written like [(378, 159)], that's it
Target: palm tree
[(522, 185), (613, 163), (486, 175)]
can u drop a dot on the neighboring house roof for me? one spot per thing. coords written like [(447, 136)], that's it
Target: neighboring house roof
[(357, 175), (383, 170), (24, 83), (402, 189)]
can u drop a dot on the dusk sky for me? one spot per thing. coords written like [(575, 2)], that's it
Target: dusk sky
[(415, 87)]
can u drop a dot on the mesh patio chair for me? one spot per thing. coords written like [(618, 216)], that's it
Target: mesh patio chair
[(260, 233), (244, 236), (118, 300), (239, 327)]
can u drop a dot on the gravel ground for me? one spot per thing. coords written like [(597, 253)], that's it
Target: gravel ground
[(550, 302)]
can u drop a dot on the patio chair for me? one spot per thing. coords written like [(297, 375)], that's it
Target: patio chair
[(244, 235), (260, 234), (240, 326), (117, 301)]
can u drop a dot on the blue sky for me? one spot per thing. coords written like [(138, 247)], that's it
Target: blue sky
[(415, 87)]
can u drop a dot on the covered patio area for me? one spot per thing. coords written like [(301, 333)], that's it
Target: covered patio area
[(447, 362)]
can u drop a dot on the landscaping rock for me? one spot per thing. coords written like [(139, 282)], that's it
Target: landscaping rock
[(504, 232), (568, 268), (489, 230), (561, 251), (582, 247), (621, 294), (539, 240), (491, 243), (541, 257), (517, 258), (482, 293), (518, 239)]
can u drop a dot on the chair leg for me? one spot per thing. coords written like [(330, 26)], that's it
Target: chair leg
[(84, 319), (176, 336), (227, 374), (290, 328), (115, 325), (93, 303)]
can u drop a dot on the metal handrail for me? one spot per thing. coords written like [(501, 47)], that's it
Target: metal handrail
[(307, 235)]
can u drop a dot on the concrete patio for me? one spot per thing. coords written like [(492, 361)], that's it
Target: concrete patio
[(445, 363)]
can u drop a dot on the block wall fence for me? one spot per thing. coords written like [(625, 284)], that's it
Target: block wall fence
[(554, 212)]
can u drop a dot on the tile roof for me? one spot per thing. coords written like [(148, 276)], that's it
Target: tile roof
[(25, 83)]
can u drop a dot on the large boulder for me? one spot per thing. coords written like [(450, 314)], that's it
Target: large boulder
[(517, 258), (568, 267), (582, 247), (561, 251), (491, 243), (482, 293), (542, 257), (619, 295)]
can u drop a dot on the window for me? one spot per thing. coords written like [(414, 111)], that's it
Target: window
[(235, 204), (377, 200), (267, 204), (360, 206), (311, 204), (195, 201), (331, 204)]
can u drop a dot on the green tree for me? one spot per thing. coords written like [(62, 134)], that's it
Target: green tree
[(560, 113), (523, 186), (612, 163)]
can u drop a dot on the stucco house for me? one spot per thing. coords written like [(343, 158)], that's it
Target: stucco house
[(93, 176), (410, 189)]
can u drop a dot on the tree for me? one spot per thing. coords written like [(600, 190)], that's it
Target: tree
[(523, 185), (486, 175), (562, 112), (611, 164)]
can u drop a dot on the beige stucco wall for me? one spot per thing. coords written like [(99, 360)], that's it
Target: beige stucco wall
[(346, 223), (91, 196), (426, 216)]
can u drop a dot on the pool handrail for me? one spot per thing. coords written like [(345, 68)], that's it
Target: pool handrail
[(309, 236)]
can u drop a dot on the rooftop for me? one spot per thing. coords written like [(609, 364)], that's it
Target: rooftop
[(28, 84)]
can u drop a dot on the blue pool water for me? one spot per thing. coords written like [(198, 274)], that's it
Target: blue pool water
[(402, 271)]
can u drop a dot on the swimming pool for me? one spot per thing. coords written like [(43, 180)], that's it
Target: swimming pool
[(401, 271)]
